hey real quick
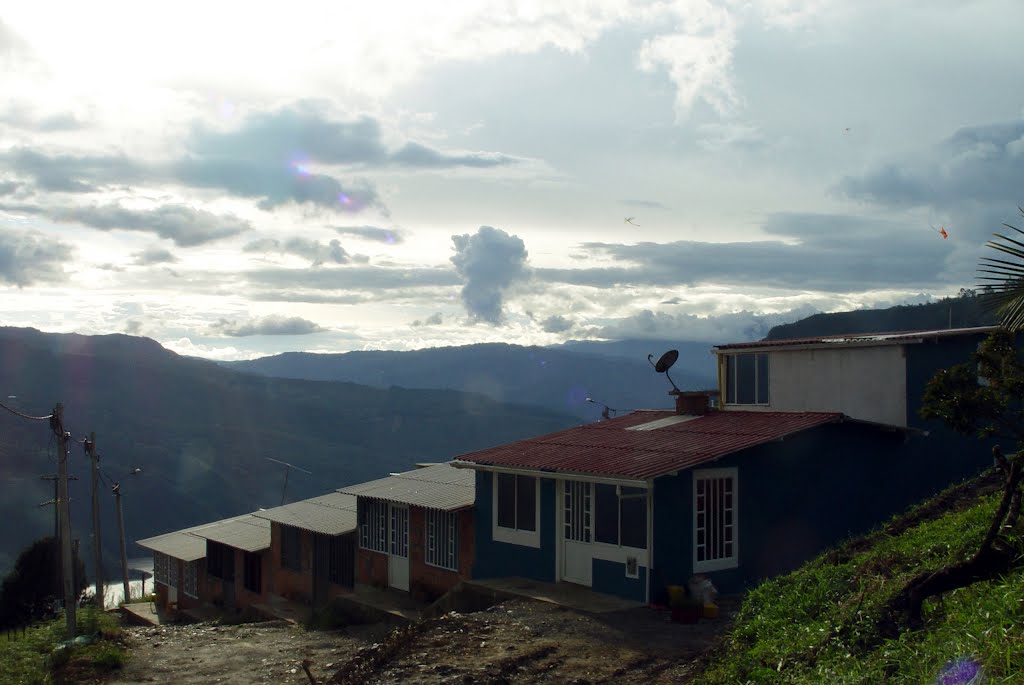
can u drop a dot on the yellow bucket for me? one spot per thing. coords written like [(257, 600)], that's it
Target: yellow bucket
[(676, 593)]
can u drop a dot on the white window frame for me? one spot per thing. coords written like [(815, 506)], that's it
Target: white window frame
[(191, 584), (735, 379), (618, 519), (719, 563), (373, 525), (161, 562), (442, 539), (515, 536)]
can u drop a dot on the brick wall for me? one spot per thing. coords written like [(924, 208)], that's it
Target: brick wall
[(432, 581), (371, 568), (293, 585)]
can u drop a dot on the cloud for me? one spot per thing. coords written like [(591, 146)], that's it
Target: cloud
[(9, 187), (392, 236), (69, 173), (27, 258), (725, 328), (416, 155), (269, 325), (556, 324), (434, 319), (316, 252), (647, 204), (183, 225), (358, 278), (27, 118), (488, 261), (154, 255)]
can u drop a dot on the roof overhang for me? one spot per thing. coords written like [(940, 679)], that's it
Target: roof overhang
[(847, 341), (553, 473)]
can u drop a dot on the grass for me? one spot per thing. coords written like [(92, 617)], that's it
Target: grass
[(33, 658), (819, 623)]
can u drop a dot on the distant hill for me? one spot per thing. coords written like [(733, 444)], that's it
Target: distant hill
[(201, 432), (953, 312), (556, 378)]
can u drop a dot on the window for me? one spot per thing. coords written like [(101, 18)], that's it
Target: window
[(172, 572), (291, 548), (192, 579), (220, 561), (621, 516), (442, 539), (746, 378), (715, 540), (341, 564), (160, 563), (253, 576), (373, 524), (516, 509)]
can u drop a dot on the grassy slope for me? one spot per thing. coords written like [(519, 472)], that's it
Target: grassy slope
[(27, 660), (818, 624)]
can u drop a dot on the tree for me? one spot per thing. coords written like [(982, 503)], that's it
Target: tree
[(28, 592), (1004, 280)]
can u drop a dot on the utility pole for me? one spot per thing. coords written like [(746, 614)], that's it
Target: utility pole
[(124, 553), (67, 564), (58, 590), (97, 547)]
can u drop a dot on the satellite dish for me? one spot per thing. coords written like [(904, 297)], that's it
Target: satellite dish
[(664, 364)]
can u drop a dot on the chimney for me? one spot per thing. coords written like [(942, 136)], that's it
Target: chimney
[(692, 402)]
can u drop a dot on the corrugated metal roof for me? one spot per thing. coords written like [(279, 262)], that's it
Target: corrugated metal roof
[(612, 449), (246, 532), (435, 487), (180, 544), (331, 514), (894, 338)]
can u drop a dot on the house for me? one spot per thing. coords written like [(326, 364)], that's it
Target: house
[(416, 529), (816, 440), (237, 560), (312, 547), (179, 569)]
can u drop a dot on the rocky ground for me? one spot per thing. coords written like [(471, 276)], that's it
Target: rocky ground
[(517, 642)]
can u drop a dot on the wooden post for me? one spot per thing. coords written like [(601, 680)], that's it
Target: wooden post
[(124, 553), (97, 546), (67, 564)]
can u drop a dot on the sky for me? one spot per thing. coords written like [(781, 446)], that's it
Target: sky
[(241, 179)]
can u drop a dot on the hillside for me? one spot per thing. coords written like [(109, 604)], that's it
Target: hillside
[(556, 378), (201, 433), (950, 312)]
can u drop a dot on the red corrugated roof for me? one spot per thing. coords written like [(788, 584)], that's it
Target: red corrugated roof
[(607, 448), (893, 338)]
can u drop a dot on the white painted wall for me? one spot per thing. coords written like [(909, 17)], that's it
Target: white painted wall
[(868, 383)]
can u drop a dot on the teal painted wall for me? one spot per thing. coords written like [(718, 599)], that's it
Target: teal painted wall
[(500, 559), (610, 577)]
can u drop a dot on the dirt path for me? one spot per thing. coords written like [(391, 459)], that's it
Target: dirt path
[(522, 642)]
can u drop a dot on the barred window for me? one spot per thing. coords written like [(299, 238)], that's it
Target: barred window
[(192, 579), (442, 539), (291, 548), (373, 524), (714, 520), (160, 563), (172, 572)]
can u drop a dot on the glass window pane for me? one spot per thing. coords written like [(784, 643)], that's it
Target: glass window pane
[(730, 379), (745, 379), (606, 528), (634, 521), (506, 500), (526, 503), (762, 379)]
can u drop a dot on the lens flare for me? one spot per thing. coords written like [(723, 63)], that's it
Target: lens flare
[(964, 671), (345, 199)]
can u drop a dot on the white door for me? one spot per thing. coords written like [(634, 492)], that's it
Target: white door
[(398, 546), (577, 532)]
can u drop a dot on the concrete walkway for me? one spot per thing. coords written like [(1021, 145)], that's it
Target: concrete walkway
[(575, 597), (142, 614)]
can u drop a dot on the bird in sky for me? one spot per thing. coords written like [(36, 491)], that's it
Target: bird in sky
[(629, 220), (941, 230), (846, 130)]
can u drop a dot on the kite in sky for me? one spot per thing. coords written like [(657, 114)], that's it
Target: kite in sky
[(629, 220), (941, 230)]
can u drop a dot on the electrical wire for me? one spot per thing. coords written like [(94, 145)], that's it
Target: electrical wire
[(25, 416)]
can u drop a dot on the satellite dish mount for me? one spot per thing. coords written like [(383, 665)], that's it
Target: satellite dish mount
[(664, 364)]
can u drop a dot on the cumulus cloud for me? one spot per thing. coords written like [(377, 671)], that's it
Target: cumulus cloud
[(391, 236), (724, 328), (27, 258), (556, 324), (488, 261), (154, 255), (269, 325), (434, 319), (316, 252), (183, 225), (71, 173)]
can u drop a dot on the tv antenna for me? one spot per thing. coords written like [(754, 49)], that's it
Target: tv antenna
[(287, 468), (606, 411), (664, 364)]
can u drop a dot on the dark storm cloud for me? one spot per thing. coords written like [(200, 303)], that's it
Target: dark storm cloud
[(183, 225), (270, 325), (316, 252), (834, 253), (488, 261), (27, 258), (381, 235), (154, 255), (556, 324)]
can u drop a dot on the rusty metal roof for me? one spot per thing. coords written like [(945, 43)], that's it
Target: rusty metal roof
[(617, 449), (436, 487), (894, 338), (331, 514), (244, 532)]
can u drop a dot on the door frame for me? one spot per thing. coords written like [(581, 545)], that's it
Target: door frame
[(565, 545), (398, 564)]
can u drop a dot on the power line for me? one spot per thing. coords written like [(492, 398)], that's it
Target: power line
[(25, 416)]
